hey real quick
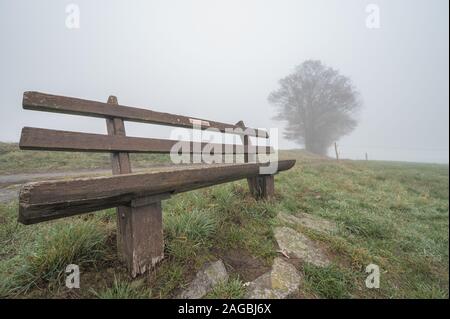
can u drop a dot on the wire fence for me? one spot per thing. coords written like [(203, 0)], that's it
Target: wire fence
[(430, 154)]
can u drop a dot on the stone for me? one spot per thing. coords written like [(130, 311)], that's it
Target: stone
[(297, 244), (310, 221), (279, 283), (205, 280)]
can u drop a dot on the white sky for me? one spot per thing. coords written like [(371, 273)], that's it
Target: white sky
[(219, 60)]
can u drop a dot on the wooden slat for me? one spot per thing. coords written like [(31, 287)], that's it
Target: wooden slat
[(145, 238), (61, 104), (140, 240), (120, 161), (54, 140), (251, 181), (41, 201)]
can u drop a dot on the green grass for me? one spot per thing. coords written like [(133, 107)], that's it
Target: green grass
[(187, 233), (392, 214), (41, 256), (232, 289), (198, 226), (13, 160), (122, 289), (330, 282), (170, 276)]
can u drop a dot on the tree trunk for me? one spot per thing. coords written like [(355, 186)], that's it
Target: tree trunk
[(316, 148)]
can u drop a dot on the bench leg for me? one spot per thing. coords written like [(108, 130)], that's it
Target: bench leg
[(140, 236), (262, 186)]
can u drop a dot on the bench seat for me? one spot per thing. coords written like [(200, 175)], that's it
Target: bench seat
[(46, 200)]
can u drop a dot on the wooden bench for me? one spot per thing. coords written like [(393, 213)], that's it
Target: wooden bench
[(137, 196)]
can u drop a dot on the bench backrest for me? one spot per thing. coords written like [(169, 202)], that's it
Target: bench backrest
[(116, 141)]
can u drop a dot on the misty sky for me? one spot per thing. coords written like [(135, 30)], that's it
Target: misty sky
[(219, 60)]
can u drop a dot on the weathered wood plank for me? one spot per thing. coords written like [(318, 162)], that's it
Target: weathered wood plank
[(40, 201), (140, 241), (55, 140), (264, 186), (145, 238), (61, 104), (120, 163), (252, 182)]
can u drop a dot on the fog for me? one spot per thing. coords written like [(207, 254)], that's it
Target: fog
[(219, 60)]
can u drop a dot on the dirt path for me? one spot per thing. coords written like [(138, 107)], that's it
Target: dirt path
[(10, 184), (23, 178)]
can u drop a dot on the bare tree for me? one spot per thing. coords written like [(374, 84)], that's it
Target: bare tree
[(318, 104)]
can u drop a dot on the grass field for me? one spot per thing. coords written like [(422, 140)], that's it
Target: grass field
[(392, 214), (14, 161)]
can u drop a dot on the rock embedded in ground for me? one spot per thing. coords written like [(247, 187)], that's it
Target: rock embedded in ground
[(206, 279), (280, 282), (243, 264), (309, 221), (297, 244)]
